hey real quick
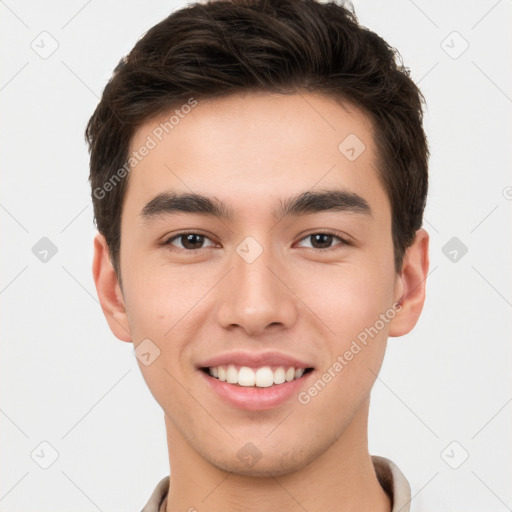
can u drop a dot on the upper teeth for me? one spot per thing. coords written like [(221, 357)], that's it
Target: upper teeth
[(261, 377)]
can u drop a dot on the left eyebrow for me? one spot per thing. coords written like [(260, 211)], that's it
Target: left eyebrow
[(334, 200), (306, 203)]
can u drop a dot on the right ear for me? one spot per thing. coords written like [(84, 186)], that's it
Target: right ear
[(109, 291)]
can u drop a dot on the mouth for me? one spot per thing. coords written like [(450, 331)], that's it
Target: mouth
[(256, 381), (255, 377)]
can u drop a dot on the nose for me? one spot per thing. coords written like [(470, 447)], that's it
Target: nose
[(256, 296)]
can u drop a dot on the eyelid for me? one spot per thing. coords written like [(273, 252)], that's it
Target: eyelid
[(168, 240), (345, 240)]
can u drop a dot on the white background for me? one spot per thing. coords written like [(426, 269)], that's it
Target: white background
[(66, 380)]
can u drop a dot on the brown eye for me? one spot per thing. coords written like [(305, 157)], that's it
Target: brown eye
[(192, 241), (322, 242), (188, 241)]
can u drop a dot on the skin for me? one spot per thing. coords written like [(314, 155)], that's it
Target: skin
[(251, 151)]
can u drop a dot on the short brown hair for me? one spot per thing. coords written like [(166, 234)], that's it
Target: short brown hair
[(218, 48)]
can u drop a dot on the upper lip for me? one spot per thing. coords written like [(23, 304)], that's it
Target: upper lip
[(253, 359)]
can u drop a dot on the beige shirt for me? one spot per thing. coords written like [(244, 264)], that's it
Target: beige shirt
[(390, 477)]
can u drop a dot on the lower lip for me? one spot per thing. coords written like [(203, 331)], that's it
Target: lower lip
[(254, 398)]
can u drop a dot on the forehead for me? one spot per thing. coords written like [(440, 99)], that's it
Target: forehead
[(250, 148)]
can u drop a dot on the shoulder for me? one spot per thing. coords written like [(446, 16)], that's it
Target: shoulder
[(393, 481), (158, 496)]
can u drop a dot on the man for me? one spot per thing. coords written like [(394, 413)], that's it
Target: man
[(259, 175)]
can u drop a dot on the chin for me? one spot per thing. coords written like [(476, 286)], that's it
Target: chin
[(249, 461)]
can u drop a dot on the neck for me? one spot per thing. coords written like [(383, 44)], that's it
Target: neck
[(341, 479)]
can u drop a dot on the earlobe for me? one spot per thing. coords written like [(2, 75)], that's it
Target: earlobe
[(412, 283), (109, 291)]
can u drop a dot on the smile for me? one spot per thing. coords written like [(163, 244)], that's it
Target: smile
[(262, 377)]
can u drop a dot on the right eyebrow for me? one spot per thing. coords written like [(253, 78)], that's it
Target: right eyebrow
[(167, 203)]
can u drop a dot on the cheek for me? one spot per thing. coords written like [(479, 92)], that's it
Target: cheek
[(159, 300), (163, 305), (347, 298)]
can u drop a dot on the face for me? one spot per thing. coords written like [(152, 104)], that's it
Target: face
[(271, 284)]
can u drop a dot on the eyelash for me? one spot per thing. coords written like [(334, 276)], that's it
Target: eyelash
[(168, 242)]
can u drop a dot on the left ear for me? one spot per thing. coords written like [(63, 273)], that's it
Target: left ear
[(411, 284)]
